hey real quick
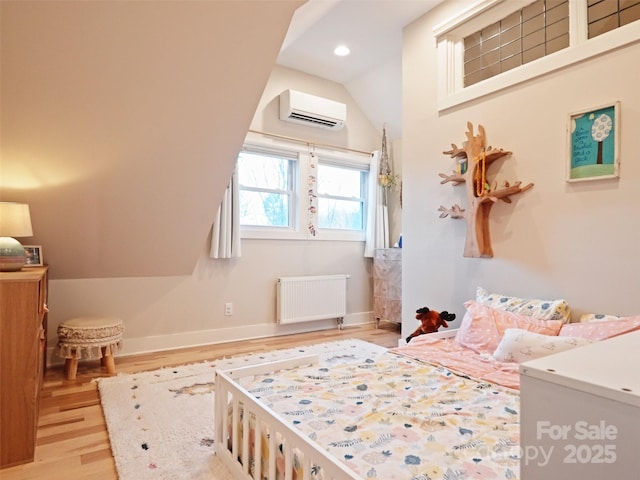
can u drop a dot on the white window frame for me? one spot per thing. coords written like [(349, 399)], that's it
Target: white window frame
[(293, 191), (450, 49), (299, 230), (345, 162)]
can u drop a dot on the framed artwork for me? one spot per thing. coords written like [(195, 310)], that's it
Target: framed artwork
[(594, 143), (34, 256)]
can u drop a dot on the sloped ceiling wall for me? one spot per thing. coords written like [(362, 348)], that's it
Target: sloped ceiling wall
[(121, 122)]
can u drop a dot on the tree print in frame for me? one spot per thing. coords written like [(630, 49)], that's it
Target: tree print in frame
[(594, 139)]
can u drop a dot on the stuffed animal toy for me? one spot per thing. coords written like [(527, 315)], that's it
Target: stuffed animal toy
[(430, 321)]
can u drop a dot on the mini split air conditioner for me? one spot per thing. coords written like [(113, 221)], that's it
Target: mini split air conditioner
[(310, 110)]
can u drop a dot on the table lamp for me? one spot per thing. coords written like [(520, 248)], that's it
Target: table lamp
[(15, 221)]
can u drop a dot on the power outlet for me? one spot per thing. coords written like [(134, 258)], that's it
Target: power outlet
[(228, 309)]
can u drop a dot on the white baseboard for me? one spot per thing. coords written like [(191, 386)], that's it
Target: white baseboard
[(135, 346)]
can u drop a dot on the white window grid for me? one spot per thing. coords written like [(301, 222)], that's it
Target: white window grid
[(450, 49), (299, 226)]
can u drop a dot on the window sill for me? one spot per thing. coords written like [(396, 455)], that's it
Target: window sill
[(321, 235)]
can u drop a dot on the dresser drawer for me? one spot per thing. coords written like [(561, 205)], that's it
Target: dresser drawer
[(22, 355), (390, 254)]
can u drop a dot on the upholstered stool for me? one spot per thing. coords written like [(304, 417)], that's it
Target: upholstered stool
[(89, 337)]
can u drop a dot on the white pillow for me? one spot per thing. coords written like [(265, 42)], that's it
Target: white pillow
[(522, 345)]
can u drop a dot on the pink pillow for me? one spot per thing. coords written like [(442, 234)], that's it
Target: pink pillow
[(601, 330), (482, 327)]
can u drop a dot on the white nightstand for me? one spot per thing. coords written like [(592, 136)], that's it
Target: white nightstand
[(580, 412), (387, 285)]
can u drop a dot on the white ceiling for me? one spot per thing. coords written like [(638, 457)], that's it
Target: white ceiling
[(372, 29)]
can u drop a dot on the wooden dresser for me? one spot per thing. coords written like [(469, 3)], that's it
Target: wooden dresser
[(23, 325), (387, 285)]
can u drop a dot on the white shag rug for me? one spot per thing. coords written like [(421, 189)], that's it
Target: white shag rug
[(160, 422)]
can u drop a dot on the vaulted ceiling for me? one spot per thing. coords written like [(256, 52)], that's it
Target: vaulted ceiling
[(121, 122), (372, 29)]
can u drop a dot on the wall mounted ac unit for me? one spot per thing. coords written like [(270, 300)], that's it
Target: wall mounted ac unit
[(306, 109)]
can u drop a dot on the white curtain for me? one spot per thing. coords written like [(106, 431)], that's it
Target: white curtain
[(225, 239), (377, 234)]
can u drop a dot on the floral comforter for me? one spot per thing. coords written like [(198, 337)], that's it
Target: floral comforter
[(394, 417)]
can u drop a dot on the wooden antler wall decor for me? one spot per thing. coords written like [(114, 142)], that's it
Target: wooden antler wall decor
[(474, 159)]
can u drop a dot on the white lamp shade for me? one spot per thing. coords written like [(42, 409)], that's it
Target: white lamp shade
[(15, 220)]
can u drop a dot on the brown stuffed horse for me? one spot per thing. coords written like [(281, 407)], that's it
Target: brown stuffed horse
[(431, 321)]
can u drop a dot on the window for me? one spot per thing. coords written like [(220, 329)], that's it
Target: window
[(266, 189), (286, 192), (495, 44), (605, 15), (341, 197), (521, 37)]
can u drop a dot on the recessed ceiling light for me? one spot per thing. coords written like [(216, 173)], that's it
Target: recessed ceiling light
[(342, 50)]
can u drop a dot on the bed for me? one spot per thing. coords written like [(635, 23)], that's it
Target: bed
[(446, 406)]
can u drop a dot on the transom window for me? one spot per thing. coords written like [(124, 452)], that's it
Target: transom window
[(495, 44), (606, 15), (525, 35)]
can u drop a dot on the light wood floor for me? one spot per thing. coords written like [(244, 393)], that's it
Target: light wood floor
[(72, 435)]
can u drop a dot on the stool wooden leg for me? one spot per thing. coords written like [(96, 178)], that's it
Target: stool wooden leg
[(109, 363), (71, 368)]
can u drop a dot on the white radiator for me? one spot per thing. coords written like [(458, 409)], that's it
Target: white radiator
[(302, 299)]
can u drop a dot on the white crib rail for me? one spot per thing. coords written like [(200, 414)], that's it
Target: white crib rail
[(231, 393)]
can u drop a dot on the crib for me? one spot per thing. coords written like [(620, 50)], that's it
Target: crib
[(233, 444)]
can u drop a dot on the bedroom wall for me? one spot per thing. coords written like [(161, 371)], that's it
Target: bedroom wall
[(359, 134), (178, 311), (111, 115), (578, 241)]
